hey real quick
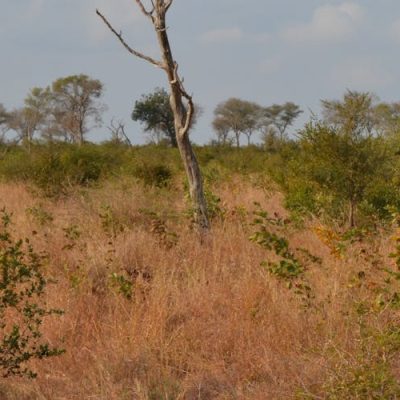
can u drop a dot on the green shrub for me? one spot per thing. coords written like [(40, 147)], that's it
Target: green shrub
[(292, 264), (380, 196), (54, 168), (301, 198), (22, 286), (157, 175)]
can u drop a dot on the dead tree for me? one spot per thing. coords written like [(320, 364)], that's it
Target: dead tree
[(181, 102), (118, 134)]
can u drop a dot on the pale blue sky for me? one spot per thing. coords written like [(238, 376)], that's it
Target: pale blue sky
[(261, 50)]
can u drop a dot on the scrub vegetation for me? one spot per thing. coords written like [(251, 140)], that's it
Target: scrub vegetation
[(284, 298)]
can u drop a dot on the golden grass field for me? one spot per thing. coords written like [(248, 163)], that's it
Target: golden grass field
[(205, 320)]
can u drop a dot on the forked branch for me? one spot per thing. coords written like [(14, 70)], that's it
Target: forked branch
[(143, 9), (190, 105), (168, 4), (136, 53)]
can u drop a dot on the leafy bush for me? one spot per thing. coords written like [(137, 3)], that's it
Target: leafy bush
[(367, 375), (157, 175), (293, 263), (54, 168), (22, 286)]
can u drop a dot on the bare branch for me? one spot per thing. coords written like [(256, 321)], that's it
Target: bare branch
[(117, 129), (148, 14), (156, 63), (168, 4), (189, 116), (190, 107)]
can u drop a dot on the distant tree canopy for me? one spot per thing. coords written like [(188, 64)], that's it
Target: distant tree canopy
[(241, 117), (30, 118), (237, 116), (75, 105), (154, 112), (65, 110), (281, 117)]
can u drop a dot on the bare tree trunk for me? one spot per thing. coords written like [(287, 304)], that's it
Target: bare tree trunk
[(183, 113), (182, 118), (352, 210), (237, 135)]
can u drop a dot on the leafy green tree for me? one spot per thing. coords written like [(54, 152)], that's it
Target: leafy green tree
[(387, 118), (342, 155), (239, 117), (354, 115), (75, 106), (153, 110)]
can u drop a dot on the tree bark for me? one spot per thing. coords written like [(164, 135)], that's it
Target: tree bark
[(352, 210), (248, 135), (182, 119), (237, 135)]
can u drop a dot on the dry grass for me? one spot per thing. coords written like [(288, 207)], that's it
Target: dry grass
[(205, 320)]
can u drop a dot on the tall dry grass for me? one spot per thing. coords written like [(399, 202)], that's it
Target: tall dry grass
[(205, 321)]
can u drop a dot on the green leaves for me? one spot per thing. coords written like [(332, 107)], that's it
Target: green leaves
[(154, 111), (292, 264), (22, 285)]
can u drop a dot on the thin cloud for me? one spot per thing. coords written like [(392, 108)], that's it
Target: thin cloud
[(361, 74), (121, 16), (35, 8), (395, 30), (228, 35), (222, 35), (329, 24), (270, 65)]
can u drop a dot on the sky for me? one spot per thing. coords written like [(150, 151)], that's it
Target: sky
[(267, 51)]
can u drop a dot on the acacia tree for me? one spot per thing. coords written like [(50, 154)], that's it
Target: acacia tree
[(181, 102), (75, 105), (30, 118), (237, 116), (282, 116)]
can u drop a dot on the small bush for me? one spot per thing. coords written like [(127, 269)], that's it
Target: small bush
[(293, 263), (157, 175), (22, 286)]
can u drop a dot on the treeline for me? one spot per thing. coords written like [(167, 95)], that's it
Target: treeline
[(343, 166), (71, 106)]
